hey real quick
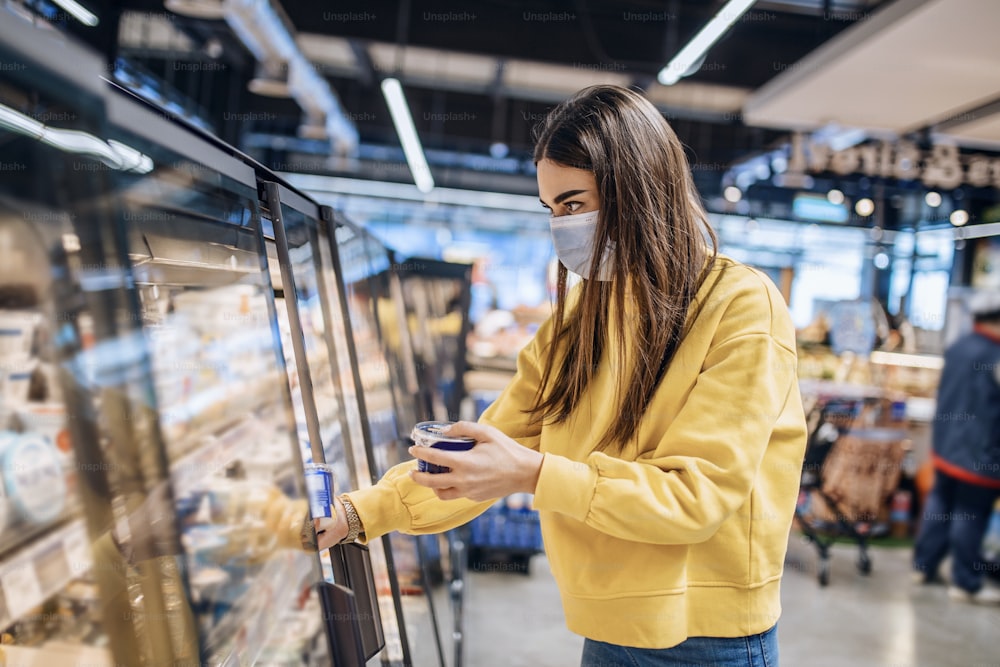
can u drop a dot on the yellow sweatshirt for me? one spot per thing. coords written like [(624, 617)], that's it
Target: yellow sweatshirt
[(685, 534)]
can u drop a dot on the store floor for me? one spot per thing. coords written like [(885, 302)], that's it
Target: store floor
[(880, 620)]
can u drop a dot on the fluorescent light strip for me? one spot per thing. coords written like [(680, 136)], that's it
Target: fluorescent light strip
[(703, 41), (400, 112), (319, 186), (78, 11)]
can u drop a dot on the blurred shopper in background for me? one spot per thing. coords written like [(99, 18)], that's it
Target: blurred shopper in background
[(655, 416), (966, 459)]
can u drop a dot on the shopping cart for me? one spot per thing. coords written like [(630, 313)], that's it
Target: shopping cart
[(852, 467)]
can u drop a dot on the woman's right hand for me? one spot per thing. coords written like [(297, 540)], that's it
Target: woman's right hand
[(331, 530)]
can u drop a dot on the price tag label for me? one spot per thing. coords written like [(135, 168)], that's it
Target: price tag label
[(21, 589), (76, 546)]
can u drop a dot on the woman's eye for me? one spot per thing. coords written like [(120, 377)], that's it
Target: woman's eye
[(573, 206)]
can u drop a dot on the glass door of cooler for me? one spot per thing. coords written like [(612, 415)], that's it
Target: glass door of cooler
[(291, 230), (233, 469), (301, 275), (74, 384), (379, 340), (435, 296)]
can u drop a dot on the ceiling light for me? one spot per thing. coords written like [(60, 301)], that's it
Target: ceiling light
[(401, 118), (682, 64), (933, 199), (959, 217), (835, 196), (864, 207), (79, 12), (881, 261), (732, 194), (198, 9)]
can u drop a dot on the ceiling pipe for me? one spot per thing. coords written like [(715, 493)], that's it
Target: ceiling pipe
[(270, 39)]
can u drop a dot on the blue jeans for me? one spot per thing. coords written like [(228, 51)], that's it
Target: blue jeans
[(753, 651), (955, 519)]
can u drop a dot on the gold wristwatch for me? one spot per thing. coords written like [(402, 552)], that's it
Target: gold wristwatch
[(354, 528)]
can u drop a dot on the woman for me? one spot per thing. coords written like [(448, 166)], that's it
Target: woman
[(655, 416)]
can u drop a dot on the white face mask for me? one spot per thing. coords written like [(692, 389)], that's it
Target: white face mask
[(573, 238)]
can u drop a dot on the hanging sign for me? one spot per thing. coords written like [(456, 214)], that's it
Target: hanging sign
[(940, 167)]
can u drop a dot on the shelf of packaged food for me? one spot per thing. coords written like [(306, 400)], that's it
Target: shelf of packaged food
[(194, 441), (55, 653), (486, 381), (813, 387), (150, 272), (502, 364), (211, 456), (243, 633), (214, 447), (17, 536), (43, 568)]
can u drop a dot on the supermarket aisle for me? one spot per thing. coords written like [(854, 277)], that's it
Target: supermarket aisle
[(513, 620), (876, 621)]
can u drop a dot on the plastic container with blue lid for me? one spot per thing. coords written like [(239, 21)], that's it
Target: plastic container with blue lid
[(429, 434)]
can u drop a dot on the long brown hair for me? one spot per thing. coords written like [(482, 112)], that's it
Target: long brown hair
[(652, 215)]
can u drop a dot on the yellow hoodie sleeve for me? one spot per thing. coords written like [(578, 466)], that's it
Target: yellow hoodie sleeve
[(398, 503), (703, 467)]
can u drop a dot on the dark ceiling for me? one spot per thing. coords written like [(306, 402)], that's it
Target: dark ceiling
[(634, 39)]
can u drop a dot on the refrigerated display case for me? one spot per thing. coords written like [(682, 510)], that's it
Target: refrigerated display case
[(374, 311), (302, 275), (75, 383), (153, 436), (240, 591)]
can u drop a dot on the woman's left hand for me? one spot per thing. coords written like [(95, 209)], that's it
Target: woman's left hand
[(495, 467)]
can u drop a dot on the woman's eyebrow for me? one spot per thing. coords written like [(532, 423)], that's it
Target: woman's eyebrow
[(561, 198)]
